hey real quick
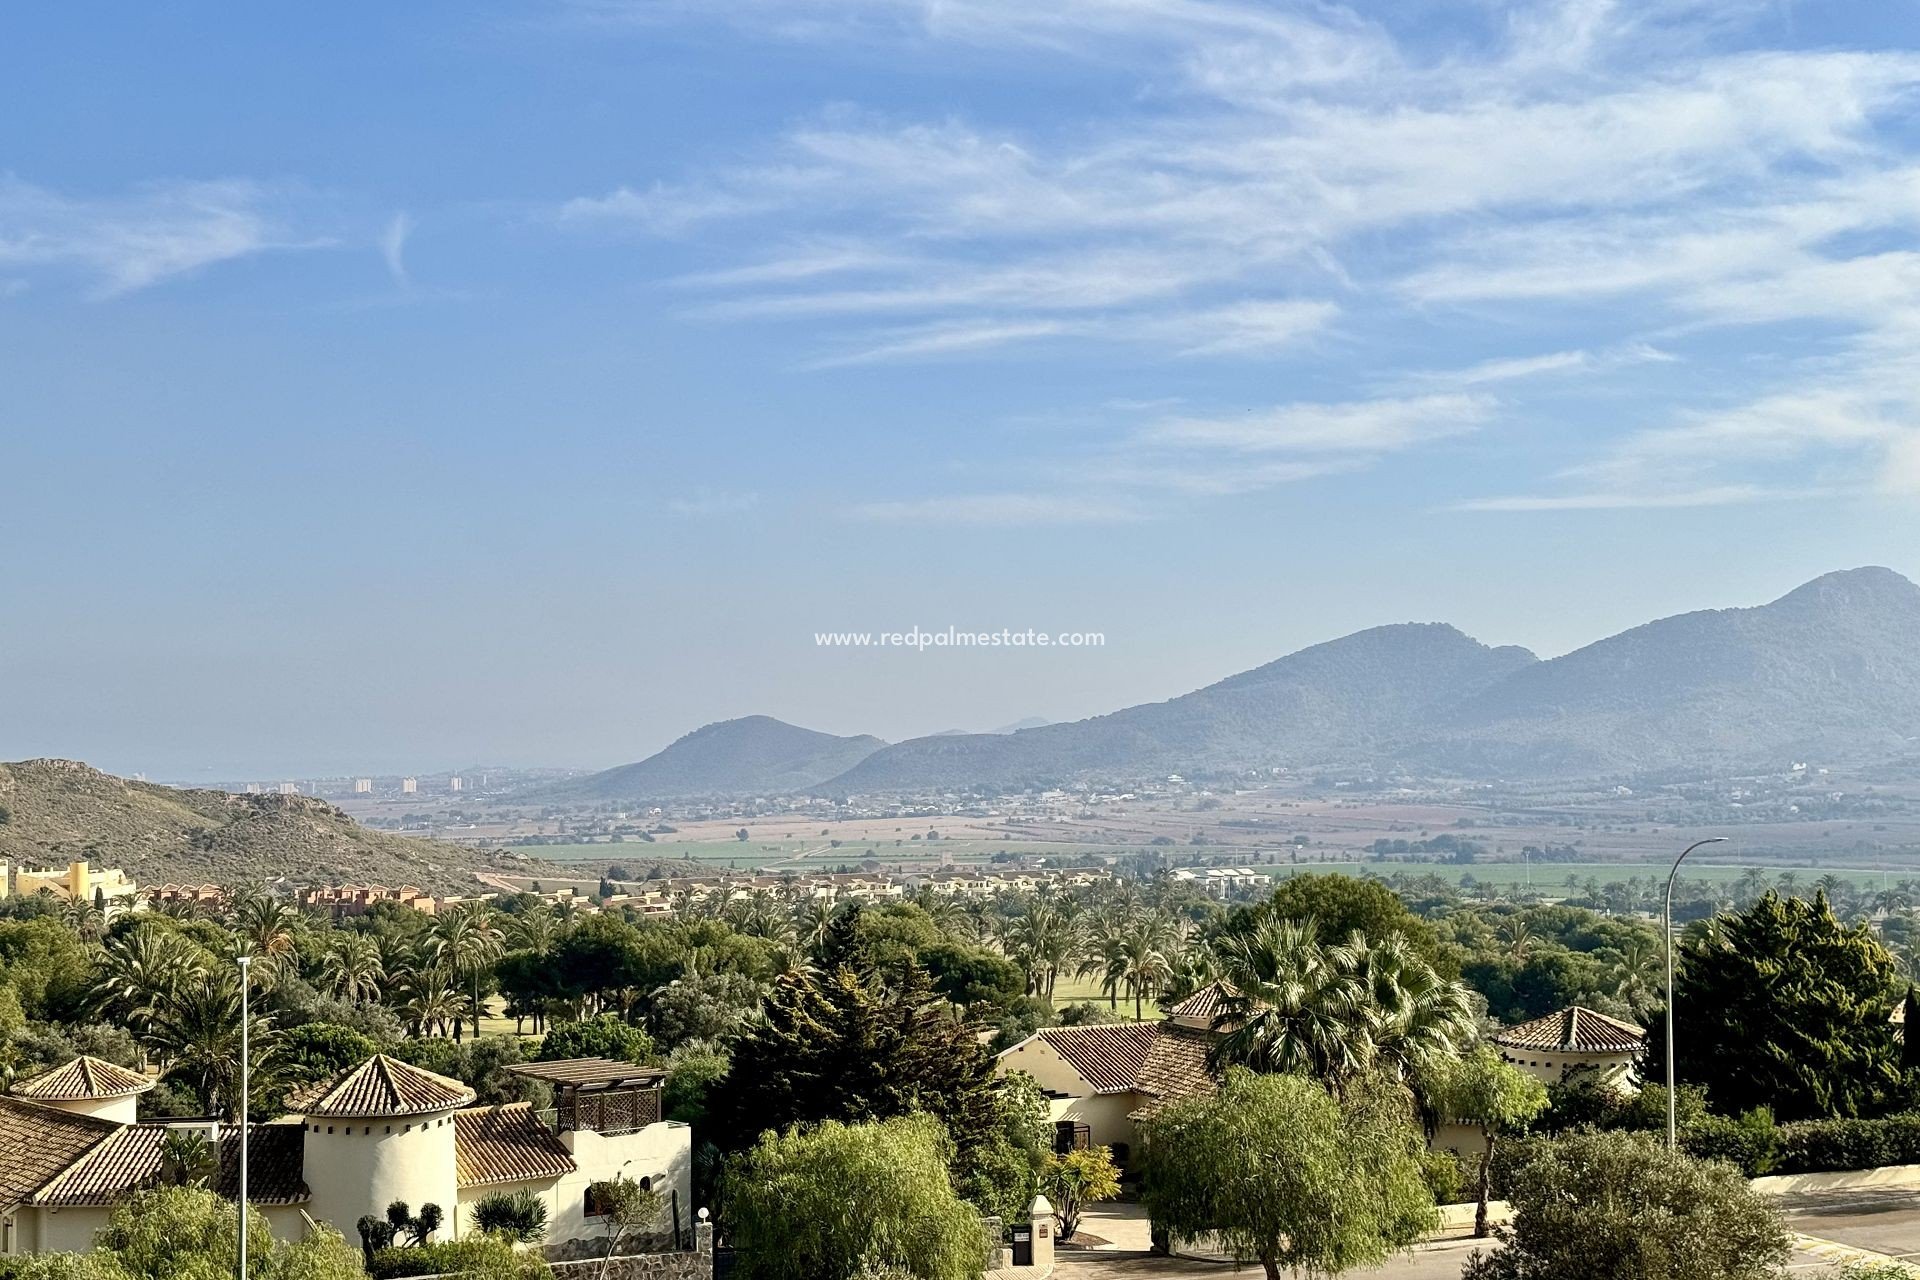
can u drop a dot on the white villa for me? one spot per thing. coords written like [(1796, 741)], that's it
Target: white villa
[(1550, 1047), (71, 1149), (1100, 1081)]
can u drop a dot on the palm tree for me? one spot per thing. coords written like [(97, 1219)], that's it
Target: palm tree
[(265, 928), (354, 970), (534, 930), (433, 1003), (196, 1031), (1416, 1018), (1142, 963), (1102, 939), (464, 942), (812, 920), (85, 917), (1293, 1003), (1639, 969), (1042, 941), (141, 969), (1514, 932)]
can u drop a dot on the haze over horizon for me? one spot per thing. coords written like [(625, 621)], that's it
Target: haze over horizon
[(537, 401)]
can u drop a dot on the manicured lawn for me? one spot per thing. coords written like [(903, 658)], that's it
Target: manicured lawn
[(1071, 990)]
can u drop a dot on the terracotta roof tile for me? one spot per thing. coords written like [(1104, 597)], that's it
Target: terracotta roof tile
[(506, 1144), (38, 1142), (1109, 1056), (84, 1079), (1176, 1067), (130, 1161), (1573, 1030), (1204, 1005), (383, 1086)]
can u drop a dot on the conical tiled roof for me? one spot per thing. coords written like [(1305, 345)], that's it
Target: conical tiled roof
[(1574, 1030), (1204, 1005), (83, 1080), (383, 1086)]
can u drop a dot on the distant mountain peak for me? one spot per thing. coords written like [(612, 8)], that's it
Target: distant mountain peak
[(1866, 586), (750, 754)]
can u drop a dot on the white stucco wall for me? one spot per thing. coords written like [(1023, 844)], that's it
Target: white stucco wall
[(1551, 1068), (1043, 1062), (660, 1154), (72, 1230), (1071, 1096), (356, 1167), (119, 1110), (1104, 1114)]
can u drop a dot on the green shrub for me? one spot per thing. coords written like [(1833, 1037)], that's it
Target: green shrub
[(1821, 1146), (1750, 1142), (519, 1216)]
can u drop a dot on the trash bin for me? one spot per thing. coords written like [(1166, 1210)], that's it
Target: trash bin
[(1023, 1245)]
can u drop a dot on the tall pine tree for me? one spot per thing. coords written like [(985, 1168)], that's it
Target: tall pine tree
[(846, 1046), (1783, 1006)]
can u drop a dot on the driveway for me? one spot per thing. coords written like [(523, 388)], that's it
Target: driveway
[(1880, 1221), (1834, 1229)]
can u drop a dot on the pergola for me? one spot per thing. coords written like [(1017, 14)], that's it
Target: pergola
[(599, 1094)]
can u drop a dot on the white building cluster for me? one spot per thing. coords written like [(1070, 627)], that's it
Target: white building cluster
[(72, 1148)]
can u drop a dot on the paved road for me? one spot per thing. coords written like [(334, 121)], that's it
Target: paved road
[(1833, 1227), (1885, 1222)]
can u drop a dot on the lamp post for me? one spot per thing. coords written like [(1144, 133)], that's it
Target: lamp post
[(1673, 1137), (245, 1084)]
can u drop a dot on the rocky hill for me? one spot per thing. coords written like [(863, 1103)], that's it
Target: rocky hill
[(1345, 700), (59, 810), (754, 754), (1829, 672)]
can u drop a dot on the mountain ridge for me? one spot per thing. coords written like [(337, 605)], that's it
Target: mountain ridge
[(742, 755), (1831, 668)]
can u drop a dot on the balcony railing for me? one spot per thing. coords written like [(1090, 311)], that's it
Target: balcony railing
[(608, 1111)]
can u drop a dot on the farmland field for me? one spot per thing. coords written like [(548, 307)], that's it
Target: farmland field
[(809, 855), (1546, 876)]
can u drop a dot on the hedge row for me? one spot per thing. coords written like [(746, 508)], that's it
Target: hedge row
[(1758, 1146)]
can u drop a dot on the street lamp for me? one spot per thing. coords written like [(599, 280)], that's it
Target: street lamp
[(245, 983), (1672, 1124)]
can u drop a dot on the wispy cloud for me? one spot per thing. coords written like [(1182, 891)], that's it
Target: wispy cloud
[(1715, 496), (1516, 368), (1239, 329), (158, 232), (393, 247), (712, 502), (1368, 426), (1647, 168), (1001, 509), (1155, 468)]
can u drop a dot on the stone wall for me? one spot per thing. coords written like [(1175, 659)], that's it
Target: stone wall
[(697, 1265)]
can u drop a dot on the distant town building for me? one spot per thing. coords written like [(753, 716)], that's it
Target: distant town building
[(409, 786), (1223, 882), (363, 786), (344, 900), (456, 784), (289, 788), (253, 788), (77, 882)]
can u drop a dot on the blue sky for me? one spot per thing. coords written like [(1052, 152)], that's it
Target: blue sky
[(410, 386)]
